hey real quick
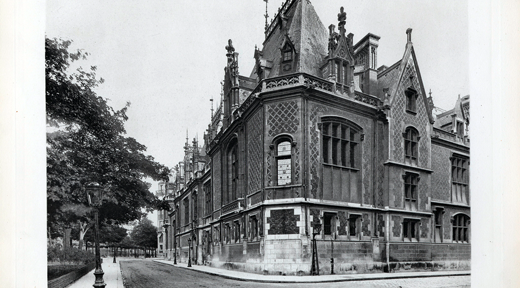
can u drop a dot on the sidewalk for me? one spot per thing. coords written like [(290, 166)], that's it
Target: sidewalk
[(112, 276), (244, 276)]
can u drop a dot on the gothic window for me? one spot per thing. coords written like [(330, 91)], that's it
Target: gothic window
[(411, 100), (345, 73), (341, 157), (460, 228), (411, 143), (459, 179), (340, 144), (207, 195), (373, 58), (227, 233), (338, 71), (236, 230), (342, 71), (286, 64), (329, 223), (195, 206), (410, 191), (287, 54), (186, 206), (283, 160), (410, 228), (438, 214), (232, 172), (354, 223), (253, 228)]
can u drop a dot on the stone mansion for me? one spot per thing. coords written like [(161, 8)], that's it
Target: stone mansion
[(321, 161)]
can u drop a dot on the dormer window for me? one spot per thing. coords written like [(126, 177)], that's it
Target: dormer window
[(287, 54)]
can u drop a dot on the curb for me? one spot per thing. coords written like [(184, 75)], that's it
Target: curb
[(463, 273)]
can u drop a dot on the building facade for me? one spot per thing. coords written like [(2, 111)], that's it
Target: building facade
[(322, 161)]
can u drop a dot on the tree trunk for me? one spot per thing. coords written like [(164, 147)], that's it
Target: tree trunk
[(66, 238), (83, 228)]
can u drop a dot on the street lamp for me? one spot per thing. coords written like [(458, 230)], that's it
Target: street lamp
[(189, 252), (94, 196), (115, 250), (315, 268)]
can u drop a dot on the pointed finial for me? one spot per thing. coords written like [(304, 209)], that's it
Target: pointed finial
[(230, 49), (409, 34), (211, 100), (342, 19), (266, 15), (430, 92)]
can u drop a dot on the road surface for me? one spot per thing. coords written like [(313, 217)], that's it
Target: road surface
[(149, 274)]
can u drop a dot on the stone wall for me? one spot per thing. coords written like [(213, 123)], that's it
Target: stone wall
[(406, 252), (441, 165), (69, 278)]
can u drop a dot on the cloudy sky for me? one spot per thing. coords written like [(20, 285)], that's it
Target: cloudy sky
[(167, 57)]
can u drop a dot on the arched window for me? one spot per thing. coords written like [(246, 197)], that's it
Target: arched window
[(460, 228), (283, 159), (340, 143), (341, 156), (232, 171), (411, 140)]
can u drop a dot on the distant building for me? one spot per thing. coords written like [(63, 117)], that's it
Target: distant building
[(319, 141)]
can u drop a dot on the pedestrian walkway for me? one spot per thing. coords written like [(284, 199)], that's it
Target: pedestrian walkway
[(112, 276), (244, 276)]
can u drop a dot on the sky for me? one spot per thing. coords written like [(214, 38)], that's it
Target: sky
[(167, 58)]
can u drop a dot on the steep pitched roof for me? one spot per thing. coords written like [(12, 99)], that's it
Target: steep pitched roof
[(461, 110), (387, 78), (298, 22)]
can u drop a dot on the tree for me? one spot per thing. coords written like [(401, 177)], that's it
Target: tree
[(144, 234), (86, 143)]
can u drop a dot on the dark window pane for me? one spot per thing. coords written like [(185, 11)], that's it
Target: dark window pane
[(353, 155), (352, 227), (326, 149)]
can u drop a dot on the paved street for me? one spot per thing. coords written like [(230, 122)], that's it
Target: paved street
[(145, 274)]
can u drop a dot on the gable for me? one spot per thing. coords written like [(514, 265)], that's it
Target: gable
[(409, 76)]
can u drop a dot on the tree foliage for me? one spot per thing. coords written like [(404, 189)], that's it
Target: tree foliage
[(144, 234), (86, 142), (109, 234)]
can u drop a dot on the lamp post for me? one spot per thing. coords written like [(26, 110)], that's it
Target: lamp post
[(165, 226), (174, 245), (189, 252), (315, 266), (115, 250), (94, 196)]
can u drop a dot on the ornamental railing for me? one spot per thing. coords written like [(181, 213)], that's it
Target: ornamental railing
[(368, 99), (309, 81), (449, 136), (233, 206)]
